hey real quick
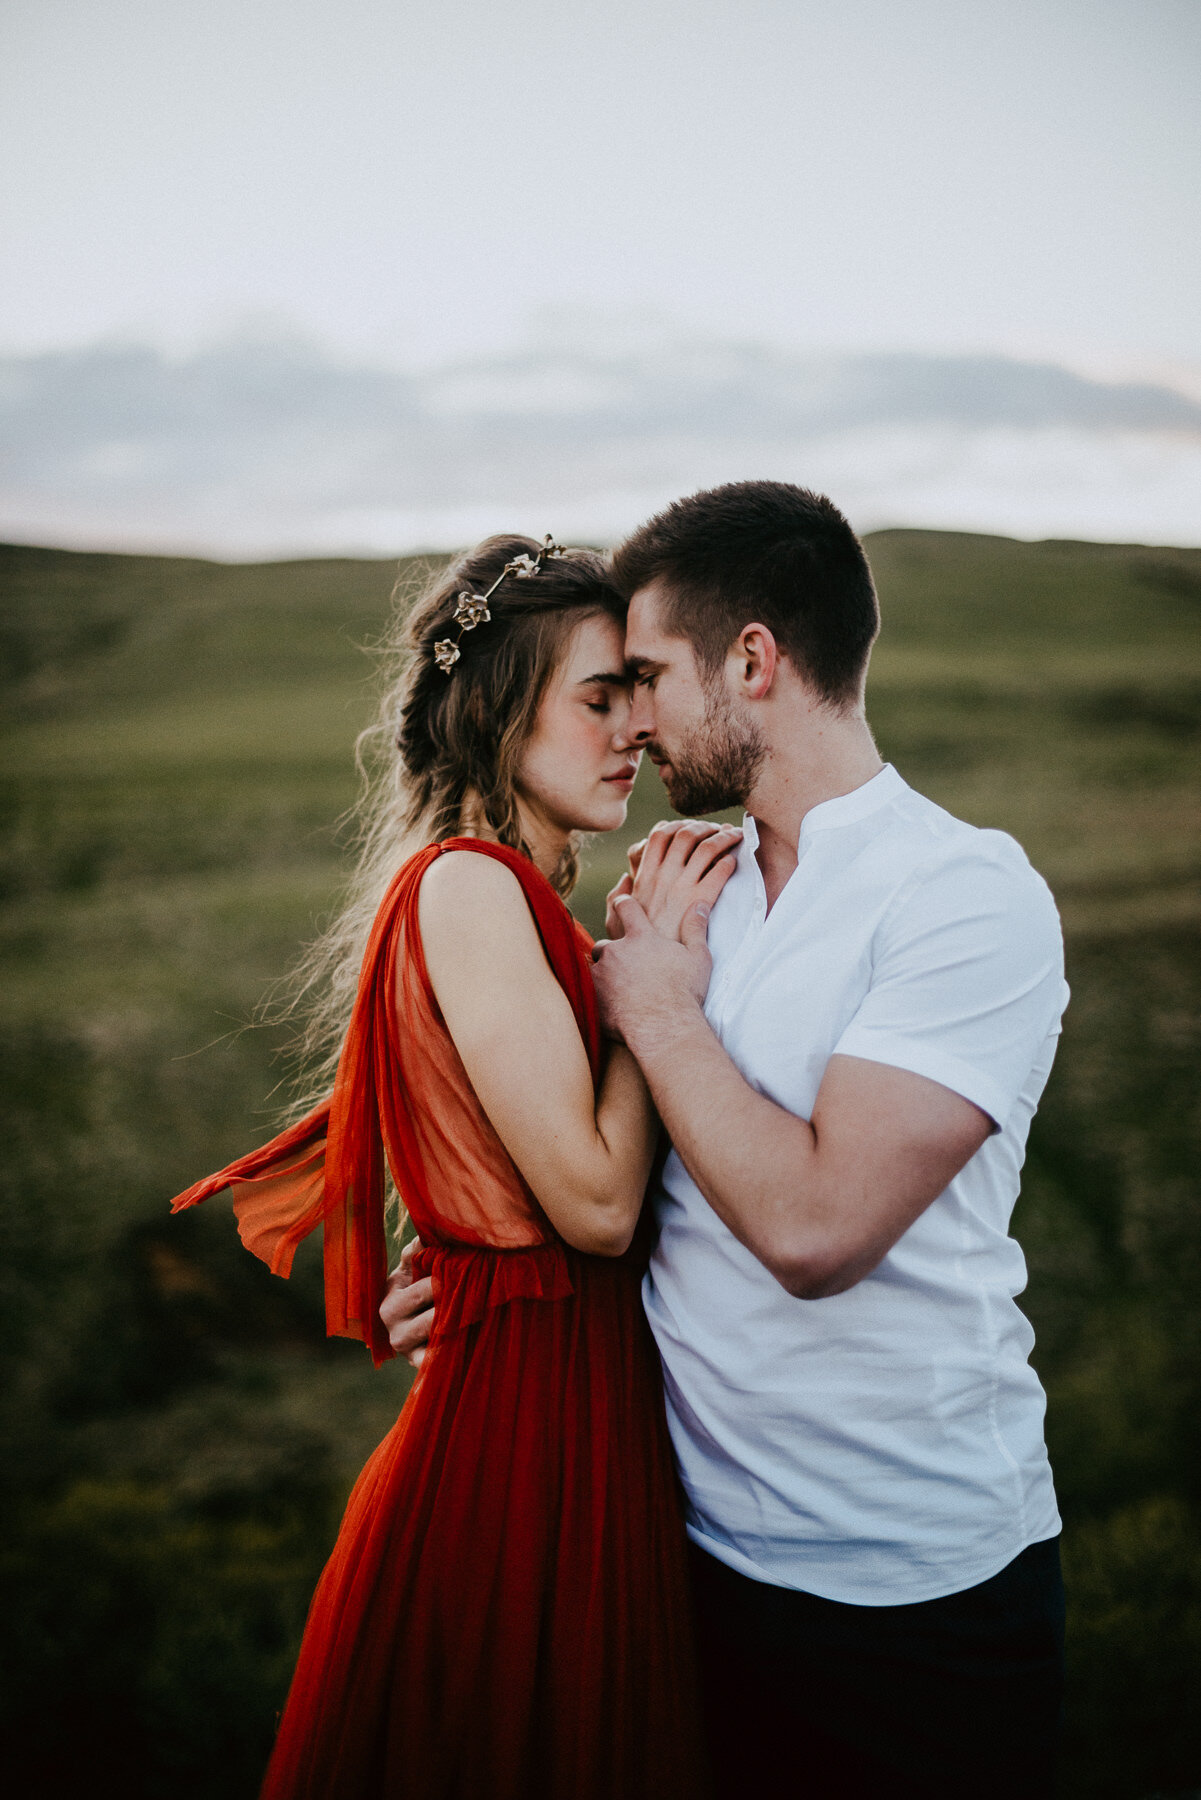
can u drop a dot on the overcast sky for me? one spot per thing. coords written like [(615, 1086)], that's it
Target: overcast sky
[(416, 182)]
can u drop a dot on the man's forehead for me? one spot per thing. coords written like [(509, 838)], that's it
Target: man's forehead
[(646, 640)]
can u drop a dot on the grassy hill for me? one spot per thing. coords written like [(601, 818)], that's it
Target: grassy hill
[(176, 752)]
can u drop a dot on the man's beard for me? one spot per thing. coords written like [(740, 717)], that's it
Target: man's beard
[(717, 764)]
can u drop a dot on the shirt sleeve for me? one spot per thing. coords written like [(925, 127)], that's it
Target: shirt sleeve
[(967, 978)]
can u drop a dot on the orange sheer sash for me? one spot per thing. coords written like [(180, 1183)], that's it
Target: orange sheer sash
[(330, 1167)]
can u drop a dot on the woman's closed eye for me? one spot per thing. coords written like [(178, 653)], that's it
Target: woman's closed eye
[(603, 696)]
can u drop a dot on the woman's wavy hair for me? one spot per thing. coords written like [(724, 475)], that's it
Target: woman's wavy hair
[(444, 755)]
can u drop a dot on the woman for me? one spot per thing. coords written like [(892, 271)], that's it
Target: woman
[(505, 1610)]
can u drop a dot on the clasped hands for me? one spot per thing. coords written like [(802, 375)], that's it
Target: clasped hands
[(653, 962), (655, 959)]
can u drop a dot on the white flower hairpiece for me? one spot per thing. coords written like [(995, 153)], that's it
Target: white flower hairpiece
[(472, 609)]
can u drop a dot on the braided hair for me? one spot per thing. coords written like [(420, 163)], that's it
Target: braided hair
[(443, 757)]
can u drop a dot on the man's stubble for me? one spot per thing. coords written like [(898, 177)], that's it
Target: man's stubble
[(717, 764)]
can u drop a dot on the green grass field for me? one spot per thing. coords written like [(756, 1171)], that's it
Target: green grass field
[(176, 754)]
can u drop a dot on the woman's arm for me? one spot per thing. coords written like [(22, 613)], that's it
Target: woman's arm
[(586, 1156)]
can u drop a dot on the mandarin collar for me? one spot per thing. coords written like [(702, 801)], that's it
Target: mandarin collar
[(843, 809)]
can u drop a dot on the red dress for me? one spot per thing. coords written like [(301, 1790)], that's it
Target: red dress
[(505, 1615)]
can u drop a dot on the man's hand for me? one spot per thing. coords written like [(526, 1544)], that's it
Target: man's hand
[(644, 982), (407, 1309)]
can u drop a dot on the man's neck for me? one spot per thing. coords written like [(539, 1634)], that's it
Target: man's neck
[(832, 756)]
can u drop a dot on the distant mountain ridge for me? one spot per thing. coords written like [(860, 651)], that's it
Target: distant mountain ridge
[(259, 446)]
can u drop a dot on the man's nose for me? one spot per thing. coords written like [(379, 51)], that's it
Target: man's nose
[(640, 726), (626, 737)]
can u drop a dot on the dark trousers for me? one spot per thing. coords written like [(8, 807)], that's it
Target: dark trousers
[(949, 1699)]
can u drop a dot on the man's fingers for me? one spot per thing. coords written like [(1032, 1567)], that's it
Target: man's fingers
[(408, 1315), (412, 1341), (404, 1299), (405, 1267), (402, 1275)]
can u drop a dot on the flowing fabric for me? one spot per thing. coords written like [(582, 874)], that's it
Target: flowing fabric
[(505, 1615)]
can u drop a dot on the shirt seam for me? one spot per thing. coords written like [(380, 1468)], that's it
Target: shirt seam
[(994, 1427), (917, 876), (952, 1072)]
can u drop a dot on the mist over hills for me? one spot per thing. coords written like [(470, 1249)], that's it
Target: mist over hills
[(270, 445)]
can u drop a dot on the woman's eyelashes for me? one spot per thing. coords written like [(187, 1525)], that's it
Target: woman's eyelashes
[(607, 700)]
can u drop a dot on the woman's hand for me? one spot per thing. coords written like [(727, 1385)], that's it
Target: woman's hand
[(682, 864)]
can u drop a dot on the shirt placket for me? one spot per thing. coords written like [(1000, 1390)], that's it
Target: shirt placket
[(734, 975)]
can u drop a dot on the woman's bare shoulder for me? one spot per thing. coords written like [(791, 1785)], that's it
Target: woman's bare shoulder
[(467, 876), (470, 899)]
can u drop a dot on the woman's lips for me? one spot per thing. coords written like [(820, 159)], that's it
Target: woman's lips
[(624, 778)]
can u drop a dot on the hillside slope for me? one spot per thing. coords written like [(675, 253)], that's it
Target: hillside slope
[(178, 747)]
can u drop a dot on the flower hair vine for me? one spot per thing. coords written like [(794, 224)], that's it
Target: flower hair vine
[(472, 609)]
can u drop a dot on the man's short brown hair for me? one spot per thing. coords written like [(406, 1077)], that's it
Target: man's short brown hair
[(766, 552)]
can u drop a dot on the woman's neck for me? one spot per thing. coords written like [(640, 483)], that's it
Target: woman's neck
[(546, 842)]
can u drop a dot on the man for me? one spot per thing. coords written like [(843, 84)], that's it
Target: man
[(846, 1070)]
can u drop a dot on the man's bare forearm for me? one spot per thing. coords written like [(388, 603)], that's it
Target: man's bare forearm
[(818, 1201), (754, 1162)]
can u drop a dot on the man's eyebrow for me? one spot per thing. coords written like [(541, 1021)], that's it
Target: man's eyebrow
[(641, 665)]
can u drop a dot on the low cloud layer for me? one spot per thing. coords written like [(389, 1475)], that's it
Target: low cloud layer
[(272, 448)]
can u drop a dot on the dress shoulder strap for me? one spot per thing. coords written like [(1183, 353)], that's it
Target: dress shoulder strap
[(565, 941)]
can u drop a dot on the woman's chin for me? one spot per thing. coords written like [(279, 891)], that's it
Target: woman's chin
[(609, 814)]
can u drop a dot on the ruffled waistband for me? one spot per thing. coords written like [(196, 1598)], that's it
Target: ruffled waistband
[(469, 1280)]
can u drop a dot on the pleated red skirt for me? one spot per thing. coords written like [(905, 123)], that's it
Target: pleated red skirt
[(505, 1614)]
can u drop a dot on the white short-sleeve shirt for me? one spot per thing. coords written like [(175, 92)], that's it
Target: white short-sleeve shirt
[(883, 1445)]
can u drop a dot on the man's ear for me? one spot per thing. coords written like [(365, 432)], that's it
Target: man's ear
[(757, 657)]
